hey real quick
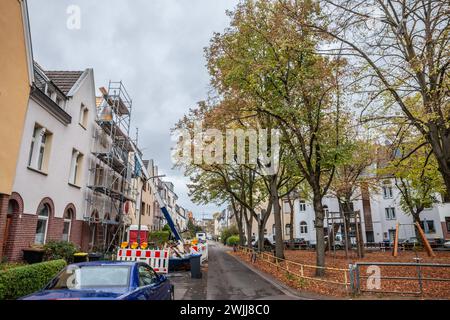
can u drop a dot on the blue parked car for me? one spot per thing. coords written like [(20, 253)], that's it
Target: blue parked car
[(106, 280)]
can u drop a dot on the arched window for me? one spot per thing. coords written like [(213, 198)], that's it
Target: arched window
[(42, 223), (68, 216), (303, 227)]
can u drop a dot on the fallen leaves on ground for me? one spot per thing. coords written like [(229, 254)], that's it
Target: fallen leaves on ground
[(431, 289)]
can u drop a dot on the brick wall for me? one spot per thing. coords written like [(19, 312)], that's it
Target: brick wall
[(85, 236), (3, 214), (22, 234), (55, 229), (76, 232)]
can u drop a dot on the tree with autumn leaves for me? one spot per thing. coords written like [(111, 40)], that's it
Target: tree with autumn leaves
[(277, 66)]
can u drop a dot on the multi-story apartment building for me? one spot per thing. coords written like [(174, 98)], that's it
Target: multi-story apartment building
[(50, 180), (379, 211), (16, 63)]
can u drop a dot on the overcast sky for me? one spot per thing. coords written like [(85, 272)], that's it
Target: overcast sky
[(154, 46)]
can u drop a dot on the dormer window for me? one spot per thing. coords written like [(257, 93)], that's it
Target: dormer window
[(58, 101), (50, 93)]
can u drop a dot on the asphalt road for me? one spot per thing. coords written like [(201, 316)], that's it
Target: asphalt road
[(230, 279)]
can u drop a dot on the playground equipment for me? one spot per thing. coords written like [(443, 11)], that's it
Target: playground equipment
[(345, 222), (425, 242)]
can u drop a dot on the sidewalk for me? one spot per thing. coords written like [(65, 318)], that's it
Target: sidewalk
[(187, 288)]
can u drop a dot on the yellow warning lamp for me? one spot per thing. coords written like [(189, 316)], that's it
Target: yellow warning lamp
[(144, 245), (195, 241), (134, 245), (124, 245)]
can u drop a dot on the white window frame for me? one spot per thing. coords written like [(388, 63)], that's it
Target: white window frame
[(303, 227), (388, 192), (68, 220), (83, 117), (45, 218), (287, 229), (302, 205), (36, 158), (390, 213), (75, 167)]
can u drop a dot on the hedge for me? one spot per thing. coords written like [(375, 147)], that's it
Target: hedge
[(233, 240), (20, 281), (228, 232), (55, 250), (159, 237)]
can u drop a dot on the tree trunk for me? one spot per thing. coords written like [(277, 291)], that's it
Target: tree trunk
[(345, 209), (291, 218), (279, 247), (240, 229), (416, 218), (320, 241), (260, 236), (249, 225), (440, 143), (239, 213)]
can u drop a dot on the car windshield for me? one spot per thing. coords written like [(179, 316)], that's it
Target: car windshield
[(85, 277)]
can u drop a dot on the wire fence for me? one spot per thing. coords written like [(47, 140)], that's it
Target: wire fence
[(335, 276), (419, 279)]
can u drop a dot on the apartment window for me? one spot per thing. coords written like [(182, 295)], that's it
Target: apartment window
[(143, 209), (50, 93), (39, 148), (84, 112), (67, 224), (288, 229), (387, 192), (98, 175), (303, 227), (447, 222), (427, 226), (75, 167), (302, 206), (390, 213), (41, 227)]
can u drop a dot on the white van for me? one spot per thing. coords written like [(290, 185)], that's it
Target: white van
[(201, 236)]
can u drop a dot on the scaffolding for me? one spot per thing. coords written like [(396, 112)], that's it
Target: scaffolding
[(112, 186)]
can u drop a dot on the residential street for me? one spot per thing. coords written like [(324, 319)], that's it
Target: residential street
[(229, 279), (226, 278)]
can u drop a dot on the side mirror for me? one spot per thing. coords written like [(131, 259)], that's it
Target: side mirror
[(162, 278)]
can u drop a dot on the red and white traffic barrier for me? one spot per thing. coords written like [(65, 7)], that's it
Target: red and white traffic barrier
[(201, 248), (157, 259)]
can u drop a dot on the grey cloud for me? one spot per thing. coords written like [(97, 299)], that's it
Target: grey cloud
[(155, 47)]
